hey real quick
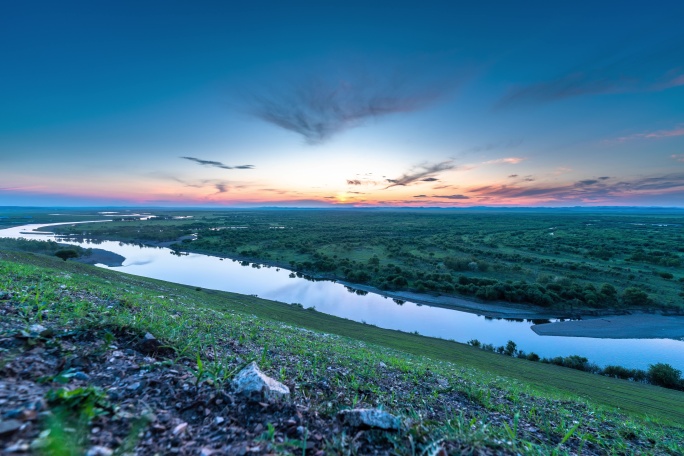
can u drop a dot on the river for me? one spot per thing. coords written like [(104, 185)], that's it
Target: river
[(336, 299)]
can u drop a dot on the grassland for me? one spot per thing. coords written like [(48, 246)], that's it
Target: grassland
[(568, 261), (450, 393)]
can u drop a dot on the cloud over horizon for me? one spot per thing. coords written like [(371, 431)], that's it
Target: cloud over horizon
[(216, 164), (586, 190), (421, 173)]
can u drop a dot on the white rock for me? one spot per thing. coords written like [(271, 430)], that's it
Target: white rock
[(99, 451), (370, 418), (180, 429), (38, 329), (252, 383)]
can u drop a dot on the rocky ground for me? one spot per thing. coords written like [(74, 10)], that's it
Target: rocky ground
[(119, 392), (69, 387)]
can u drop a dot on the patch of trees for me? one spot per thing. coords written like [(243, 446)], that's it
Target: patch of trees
[(656, 257), (659, 374)]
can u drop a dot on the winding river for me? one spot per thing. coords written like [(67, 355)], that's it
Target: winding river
[(336, 299)]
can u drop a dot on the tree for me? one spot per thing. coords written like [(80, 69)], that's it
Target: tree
[(65, 254), (664, 375)]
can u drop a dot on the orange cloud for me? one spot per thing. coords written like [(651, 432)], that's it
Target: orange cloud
[(658, 134), (507, 160)]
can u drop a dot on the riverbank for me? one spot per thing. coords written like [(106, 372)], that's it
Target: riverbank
[(634, 326)]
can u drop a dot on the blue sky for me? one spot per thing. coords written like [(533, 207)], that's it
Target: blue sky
[(342, 103)]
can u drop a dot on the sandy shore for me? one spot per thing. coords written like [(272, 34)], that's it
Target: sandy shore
[(488, 309), (635, 326)]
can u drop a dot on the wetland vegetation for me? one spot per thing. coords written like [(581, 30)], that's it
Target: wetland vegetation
[(570, 261)]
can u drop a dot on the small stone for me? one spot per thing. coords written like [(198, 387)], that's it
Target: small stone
[(14, 413), (381, 364), (63, 287), (206, 451), (81, 376), (219, 420), (20, 447), (9, 426), (99, 451), (251, 382), (180, 429), (37, 329), (370, 418)]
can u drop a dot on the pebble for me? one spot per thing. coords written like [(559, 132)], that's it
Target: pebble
[(370, 418), (20, 447), (99, 451), (180, 429), (81, 376), (9, 426), (37, 329)]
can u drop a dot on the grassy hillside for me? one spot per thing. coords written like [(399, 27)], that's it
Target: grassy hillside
[(446, 392)]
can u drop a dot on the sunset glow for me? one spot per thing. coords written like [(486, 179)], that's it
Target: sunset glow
[(332, 105)]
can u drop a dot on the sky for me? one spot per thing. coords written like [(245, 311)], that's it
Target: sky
[(341, 104)]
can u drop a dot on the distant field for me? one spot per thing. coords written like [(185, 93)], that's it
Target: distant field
[(561, 259)]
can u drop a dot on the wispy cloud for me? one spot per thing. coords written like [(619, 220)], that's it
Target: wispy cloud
[(216, 164), (321, 105), (632, 68), (221, 188), (510, 144), (657, 134), (420, 173), (452, 197), (587, 190), (678, 157), (507, 160)]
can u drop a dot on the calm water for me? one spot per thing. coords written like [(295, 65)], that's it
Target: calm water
[(336, 299)]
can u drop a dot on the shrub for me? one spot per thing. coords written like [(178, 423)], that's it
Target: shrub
[(65, 254), (664, 375)]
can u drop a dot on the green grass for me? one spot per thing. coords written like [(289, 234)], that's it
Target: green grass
[(636, 399)]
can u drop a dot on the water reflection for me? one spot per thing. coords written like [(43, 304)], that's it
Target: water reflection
[(337, 299)]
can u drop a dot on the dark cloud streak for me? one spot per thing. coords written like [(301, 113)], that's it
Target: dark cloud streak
[(216, 164), (420, 173), (644, 70), (320, 106)]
